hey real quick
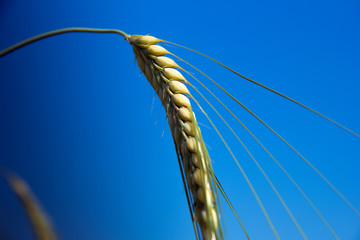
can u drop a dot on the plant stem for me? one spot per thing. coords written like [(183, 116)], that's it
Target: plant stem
[(56, 32)]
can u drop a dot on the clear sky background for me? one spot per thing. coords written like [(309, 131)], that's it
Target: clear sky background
[(78, 124)]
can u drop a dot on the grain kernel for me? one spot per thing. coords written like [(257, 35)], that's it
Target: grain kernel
[(195, 160), (156, 50), (191, 144), (166, 62), (188, 129), (197, 177), (147, 40), (173, 74), (200, 195), (185, 114), (181, 100), (178, 87)]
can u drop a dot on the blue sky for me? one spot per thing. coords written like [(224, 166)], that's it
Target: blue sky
[(78, 123)]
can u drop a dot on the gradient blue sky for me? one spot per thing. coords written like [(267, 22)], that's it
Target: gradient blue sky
[(76, 119)]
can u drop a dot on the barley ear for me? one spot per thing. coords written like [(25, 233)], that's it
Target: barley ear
[(163, 74)]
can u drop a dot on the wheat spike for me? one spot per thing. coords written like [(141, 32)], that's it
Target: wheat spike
[(167, 81), (40, 223)]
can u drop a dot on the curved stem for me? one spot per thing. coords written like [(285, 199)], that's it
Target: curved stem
[(56, 32)]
